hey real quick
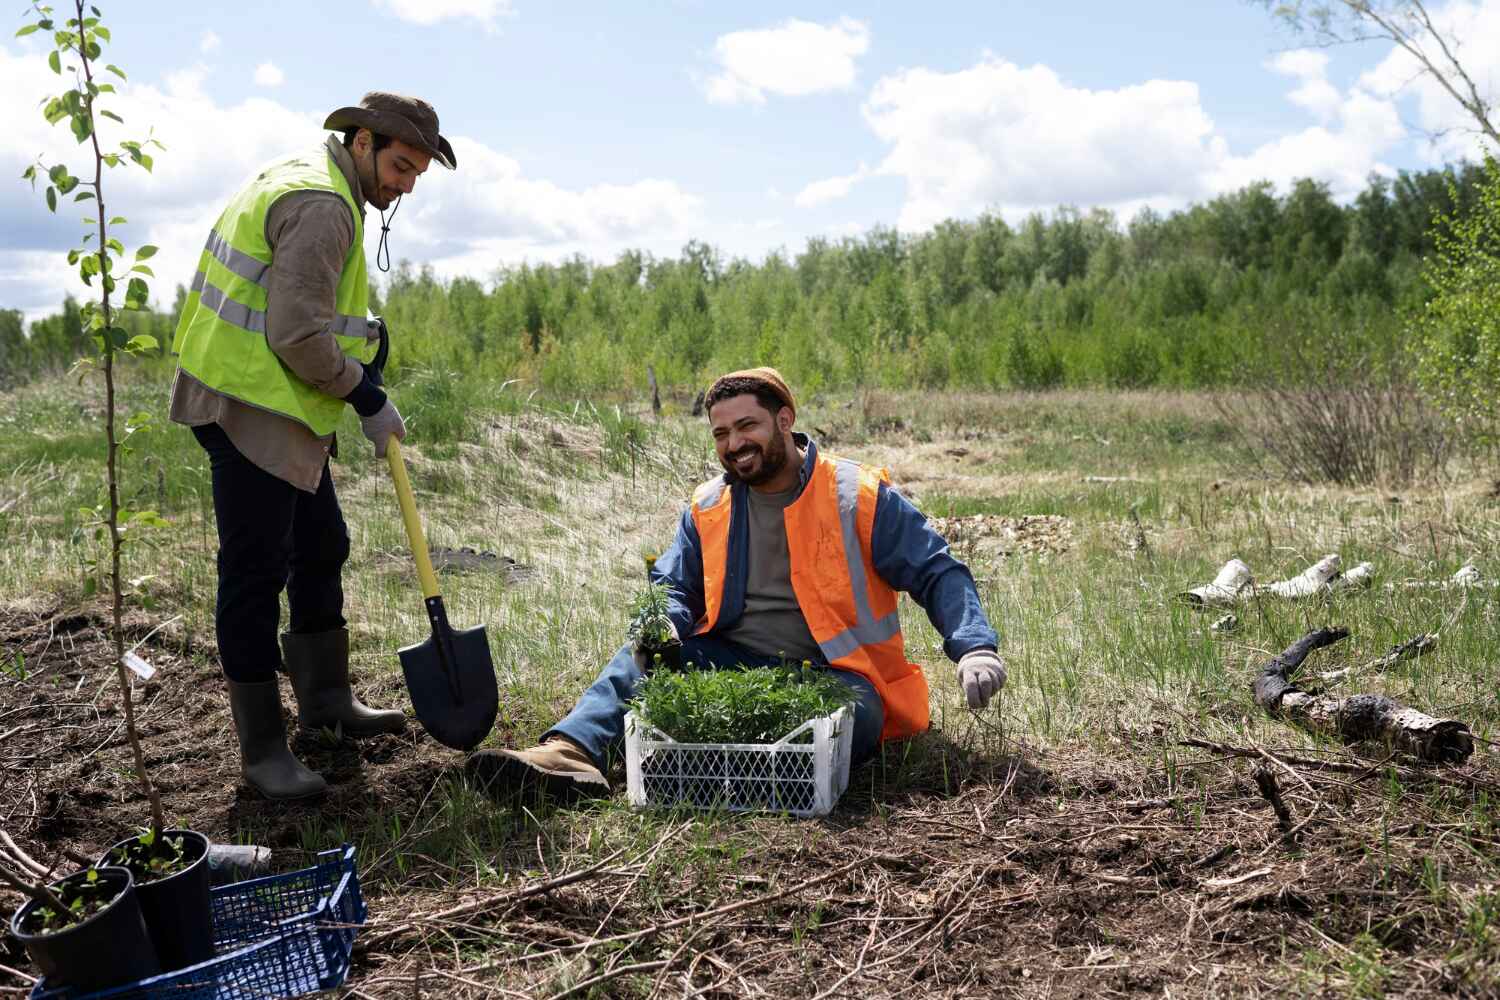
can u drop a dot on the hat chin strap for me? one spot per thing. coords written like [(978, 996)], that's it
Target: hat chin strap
[(383, 249)]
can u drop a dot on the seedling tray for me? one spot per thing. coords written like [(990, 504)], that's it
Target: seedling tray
[(278, 936), (803, 773)]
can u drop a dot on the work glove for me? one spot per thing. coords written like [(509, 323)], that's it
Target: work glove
[(981, 673), (380, 425)]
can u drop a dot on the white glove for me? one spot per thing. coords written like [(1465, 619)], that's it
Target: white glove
[(981, 673), (380, 425)]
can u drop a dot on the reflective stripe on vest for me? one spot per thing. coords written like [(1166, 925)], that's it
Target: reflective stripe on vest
[(221, 336), (851, 612)]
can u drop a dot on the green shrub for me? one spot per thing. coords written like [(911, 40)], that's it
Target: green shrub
[(739, 705)]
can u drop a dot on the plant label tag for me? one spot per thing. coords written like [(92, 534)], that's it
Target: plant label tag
[(138, 666)]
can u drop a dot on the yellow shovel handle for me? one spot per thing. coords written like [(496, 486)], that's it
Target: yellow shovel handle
[(409, 517)]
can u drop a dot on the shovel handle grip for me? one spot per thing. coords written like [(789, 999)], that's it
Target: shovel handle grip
[(409, 517)]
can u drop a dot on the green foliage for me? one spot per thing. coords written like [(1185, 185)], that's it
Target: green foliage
[(745, 705), (650, 627), (81, 897), (151, 856), (1457, 336), (1071, 299)]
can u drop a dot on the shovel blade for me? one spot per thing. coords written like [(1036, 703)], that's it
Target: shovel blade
[(455, 696)]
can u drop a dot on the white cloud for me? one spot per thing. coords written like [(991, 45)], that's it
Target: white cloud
[(1313, 92), (427, 12), (829, 189), (794, 59), (1473, 32), (268, 74), (1021, 139), (208, 43), (470, 221)]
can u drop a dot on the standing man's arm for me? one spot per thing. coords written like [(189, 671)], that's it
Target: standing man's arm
[(310, 234)]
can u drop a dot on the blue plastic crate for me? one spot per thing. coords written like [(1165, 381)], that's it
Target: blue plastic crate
[(278, 936)]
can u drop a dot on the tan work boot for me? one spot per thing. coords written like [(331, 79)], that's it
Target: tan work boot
[(558, 767)]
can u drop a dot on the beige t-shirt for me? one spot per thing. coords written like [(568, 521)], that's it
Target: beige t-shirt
[(772, 624)]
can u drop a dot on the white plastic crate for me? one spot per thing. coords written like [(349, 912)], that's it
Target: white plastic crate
[(803, 778)]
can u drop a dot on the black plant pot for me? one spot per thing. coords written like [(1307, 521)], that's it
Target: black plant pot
[(108, 949), (177, 911)]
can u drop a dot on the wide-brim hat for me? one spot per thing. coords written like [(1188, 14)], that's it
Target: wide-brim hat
[(410, 119)]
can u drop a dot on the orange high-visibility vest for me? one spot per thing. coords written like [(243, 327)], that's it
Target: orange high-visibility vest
[(850, 610)]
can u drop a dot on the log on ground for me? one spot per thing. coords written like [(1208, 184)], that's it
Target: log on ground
[(1358, 717)]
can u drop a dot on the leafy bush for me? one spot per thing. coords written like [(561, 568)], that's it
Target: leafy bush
[(1457, 336), (741, 705)]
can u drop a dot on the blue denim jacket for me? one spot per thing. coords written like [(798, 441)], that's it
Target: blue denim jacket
[(909, 555)]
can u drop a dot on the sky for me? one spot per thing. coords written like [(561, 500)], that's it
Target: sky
[(590, 127)]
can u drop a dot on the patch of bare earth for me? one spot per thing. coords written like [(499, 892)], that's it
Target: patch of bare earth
[(944, 872)]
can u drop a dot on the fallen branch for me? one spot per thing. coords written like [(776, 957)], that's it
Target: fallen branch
[(1271, 792), (366, 942), (1424, 643), (1358, 717)]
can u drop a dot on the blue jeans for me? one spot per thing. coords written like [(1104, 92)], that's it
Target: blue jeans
[(597, 722)]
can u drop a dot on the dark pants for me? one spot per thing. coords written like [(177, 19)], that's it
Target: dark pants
[(271, 536), (597, 722)]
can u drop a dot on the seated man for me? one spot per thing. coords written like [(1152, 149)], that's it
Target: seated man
[(790, 554)]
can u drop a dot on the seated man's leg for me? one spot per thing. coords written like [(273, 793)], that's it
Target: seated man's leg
[(572, 755), (566, 763), (597, 722), (869, 715)]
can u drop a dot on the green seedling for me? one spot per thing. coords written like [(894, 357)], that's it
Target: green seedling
[(150, 857), (743, 705), (651, 628), (81, 899)]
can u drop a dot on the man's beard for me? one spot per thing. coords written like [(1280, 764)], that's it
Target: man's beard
[(772, 461)]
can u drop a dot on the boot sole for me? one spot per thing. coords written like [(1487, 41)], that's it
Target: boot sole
[(354, 734), (498, 773), (315, 793)]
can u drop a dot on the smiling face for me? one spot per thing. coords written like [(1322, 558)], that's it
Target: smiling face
[(386, 174), (753, 442)]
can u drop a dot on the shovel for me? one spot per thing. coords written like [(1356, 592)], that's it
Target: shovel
[(450, 676)]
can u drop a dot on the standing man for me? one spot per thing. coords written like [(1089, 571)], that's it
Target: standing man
[(269, 347), (790, 554)]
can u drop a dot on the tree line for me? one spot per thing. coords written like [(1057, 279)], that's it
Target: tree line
[(1230, 289)]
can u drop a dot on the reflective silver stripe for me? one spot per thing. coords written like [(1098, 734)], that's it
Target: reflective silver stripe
[(238, 314), (847, 477), (212, 298), (237, 261), (348, 326), (709, 493), (849, 640)]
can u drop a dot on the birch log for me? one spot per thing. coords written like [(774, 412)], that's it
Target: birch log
[(1358, 717)]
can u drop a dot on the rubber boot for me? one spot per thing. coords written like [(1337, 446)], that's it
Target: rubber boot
[(265, 761), (318, 664), (558, 767)]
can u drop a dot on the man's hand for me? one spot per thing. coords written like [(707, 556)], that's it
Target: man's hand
[(981, 673), (380, 425)]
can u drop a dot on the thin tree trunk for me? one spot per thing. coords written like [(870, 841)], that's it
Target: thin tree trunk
[(112, 470)]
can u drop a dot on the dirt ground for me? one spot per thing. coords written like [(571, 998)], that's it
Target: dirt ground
[(1143, 865)]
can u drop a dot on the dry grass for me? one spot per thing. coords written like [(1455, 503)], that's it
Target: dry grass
[(1098, 832)]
